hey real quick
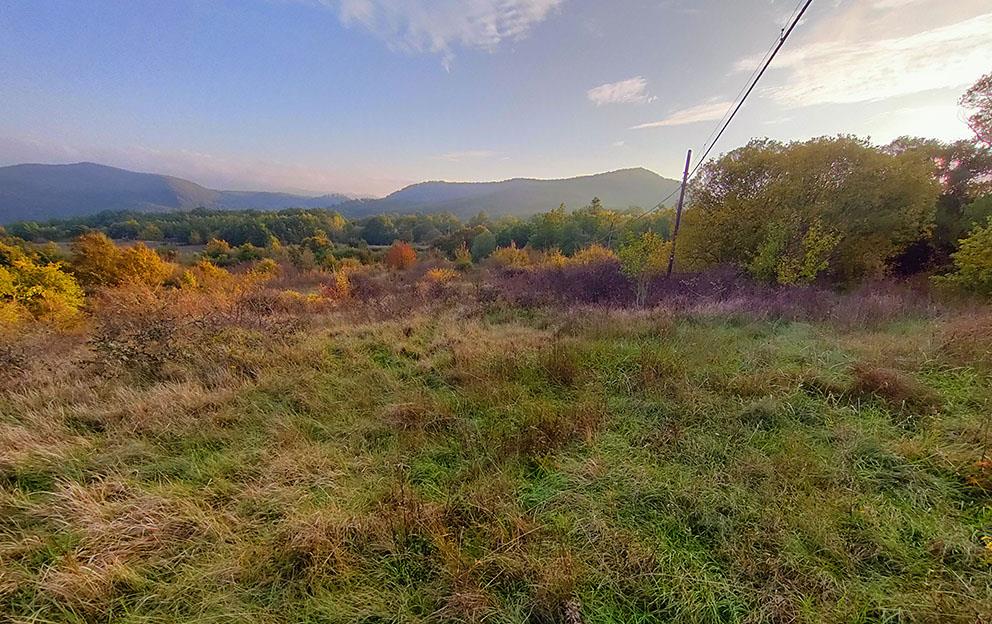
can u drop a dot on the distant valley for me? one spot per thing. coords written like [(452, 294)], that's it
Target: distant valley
[(42, 192)]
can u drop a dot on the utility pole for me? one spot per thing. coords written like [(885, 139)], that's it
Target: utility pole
[(678, 214)]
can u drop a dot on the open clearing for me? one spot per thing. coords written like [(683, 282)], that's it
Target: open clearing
[(504, 465)]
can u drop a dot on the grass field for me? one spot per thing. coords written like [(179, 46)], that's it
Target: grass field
[(502, 464)]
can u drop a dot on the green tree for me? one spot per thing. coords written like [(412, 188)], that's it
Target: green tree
[(483, 245), (873, 202), (973, 262), (643, 258)]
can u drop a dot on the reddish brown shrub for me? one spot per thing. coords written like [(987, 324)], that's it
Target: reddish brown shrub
[(401, 256)]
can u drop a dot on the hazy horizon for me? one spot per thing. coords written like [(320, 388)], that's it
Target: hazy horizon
[(364, 97)]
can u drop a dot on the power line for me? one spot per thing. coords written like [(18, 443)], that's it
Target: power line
[(754, 83), (759, 71)]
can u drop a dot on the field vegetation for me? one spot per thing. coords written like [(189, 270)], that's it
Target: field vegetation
[(515, 421)]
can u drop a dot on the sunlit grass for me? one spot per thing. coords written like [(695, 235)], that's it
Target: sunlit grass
[(506, 466)]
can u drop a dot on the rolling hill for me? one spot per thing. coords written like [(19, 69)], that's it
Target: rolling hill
[(40, 192), (520, 196)]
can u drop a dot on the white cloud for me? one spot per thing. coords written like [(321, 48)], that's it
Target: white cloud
[(631, 91), (839, 69), (439, 26), (710, 111)]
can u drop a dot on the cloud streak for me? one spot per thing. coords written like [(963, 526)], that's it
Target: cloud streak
[(838, 71), (631, 91), (441, 26), (709, 111), (468, 155)]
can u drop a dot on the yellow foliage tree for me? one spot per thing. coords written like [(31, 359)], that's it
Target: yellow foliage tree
[(97, 261), (510, 257), (593, 254), (32, 290)]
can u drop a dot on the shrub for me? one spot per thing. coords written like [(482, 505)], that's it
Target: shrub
[(141, 265), (97, 261), (973, 262), (463, 258), (266, 266), (510, 257), (209, 276), (44, 292), (339, 286), (401, 256), (440, 275), (593, 254), (555, 259), (643, 258), (787, 257), (94, 259)]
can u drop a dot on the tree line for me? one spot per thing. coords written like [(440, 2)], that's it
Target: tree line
[(836, 210)]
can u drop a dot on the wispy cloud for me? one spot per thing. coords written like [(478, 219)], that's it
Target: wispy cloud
[(631, 91), (440, 26), (709, 111), (466, 155), (843, 70)]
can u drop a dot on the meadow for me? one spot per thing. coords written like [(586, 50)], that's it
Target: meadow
[(499, 445)]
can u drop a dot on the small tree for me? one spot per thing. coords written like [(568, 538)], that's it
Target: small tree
[(97, 261), (31, 288), (94, 259), (401, 256), (973, 262), (643, 258), (463, 258), (483, 245), (511, 257)]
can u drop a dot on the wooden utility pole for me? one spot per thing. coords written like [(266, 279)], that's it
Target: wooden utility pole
[(678, 214)]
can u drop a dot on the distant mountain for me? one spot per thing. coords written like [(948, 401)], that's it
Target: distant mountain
[(520, 196), (41, 192)]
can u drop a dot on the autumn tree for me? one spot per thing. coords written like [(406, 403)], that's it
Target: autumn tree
[(401, 256), (963, 170), (978, 100), (31, 288), (97, 261)]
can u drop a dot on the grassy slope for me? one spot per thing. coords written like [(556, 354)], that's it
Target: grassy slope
[(515, 467)]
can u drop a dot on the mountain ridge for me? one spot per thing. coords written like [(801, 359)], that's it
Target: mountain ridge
[(37, 192), (40, 192), (620, 188)]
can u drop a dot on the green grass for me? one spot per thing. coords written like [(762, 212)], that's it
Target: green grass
[(499, 468)]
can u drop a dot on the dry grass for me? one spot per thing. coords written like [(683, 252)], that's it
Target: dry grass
[(899, 389), (398, 462)]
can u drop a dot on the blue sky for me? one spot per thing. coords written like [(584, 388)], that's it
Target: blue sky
[(364, 96)]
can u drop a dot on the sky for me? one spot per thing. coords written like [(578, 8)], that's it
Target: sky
[(366, 96)]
